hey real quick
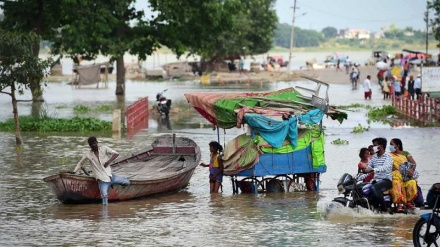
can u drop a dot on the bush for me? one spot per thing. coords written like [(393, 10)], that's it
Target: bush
[(76, 124), (376, 112)]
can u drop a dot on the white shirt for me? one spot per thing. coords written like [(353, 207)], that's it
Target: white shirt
[(99, 171), (367, 85), (417, 83), (382, 166)]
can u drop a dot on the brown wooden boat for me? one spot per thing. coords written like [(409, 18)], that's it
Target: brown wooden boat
[(164, 167)]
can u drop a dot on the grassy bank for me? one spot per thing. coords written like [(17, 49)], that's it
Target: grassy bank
[(334, 45)]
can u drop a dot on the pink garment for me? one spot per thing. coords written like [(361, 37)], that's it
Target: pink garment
[(362, 165)]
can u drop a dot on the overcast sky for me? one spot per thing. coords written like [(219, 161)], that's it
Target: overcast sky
[(341, 14), (357, 14)]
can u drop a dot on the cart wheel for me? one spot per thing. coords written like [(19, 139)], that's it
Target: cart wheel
[(289, 181), (247, 185), (295, 187), (273, 185)]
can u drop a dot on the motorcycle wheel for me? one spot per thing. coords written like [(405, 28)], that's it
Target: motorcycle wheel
[(332, 207), (419, 231), (166, 110)]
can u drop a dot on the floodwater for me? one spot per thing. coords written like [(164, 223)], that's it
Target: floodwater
[(298, 59), (31, 216)]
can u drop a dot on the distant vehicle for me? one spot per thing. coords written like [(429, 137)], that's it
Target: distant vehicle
[(377, 56), (164, 104), (332, 60)]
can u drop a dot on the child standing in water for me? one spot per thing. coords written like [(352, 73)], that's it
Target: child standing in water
[(215, 167)]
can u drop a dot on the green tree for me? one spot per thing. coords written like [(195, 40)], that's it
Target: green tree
[(215, 29), (42, 17), (307, 38), (303, 37), (329, 32), (435, 22), (282, 35), (18, 67), (393, 32), (263, 20), (107, 27)]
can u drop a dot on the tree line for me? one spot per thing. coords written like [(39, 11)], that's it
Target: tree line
[(313, 38), (212, 29)]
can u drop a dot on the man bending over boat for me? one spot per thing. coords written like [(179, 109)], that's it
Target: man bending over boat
[(100, 158), (381, 164)]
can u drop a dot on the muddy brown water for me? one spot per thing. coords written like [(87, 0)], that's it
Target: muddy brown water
[(31, 216)]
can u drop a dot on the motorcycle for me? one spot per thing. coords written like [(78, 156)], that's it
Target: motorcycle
[(164, 104), (426, 231), (358, 195)]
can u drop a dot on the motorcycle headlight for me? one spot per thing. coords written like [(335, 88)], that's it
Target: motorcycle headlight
[(341, 189)]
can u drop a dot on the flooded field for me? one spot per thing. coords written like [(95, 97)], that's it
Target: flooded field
[(31, 216)]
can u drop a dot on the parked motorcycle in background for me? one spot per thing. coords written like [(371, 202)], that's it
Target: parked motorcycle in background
[(164, 104)]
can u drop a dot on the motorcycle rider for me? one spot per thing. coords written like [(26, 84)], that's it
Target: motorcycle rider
[(381, 164)]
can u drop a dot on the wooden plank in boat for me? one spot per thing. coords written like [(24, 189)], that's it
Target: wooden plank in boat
[(159, 167)]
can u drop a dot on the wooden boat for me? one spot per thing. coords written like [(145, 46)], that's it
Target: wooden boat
[(164, 167)]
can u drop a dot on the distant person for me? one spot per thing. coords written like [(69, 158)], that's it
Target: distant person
[(402, 60), (418, 87), (367, 88), (386, 88), (411, 90), (405, 68), (402, 85), (347, 65), (215, 167), (353, 78), (381, 77), (241, 66), (397, 87), (194, 68), (358, 71), (338, 65), (100, 158)]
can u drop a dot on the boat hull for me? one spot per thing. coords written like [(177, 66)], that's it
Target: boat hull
[(70, 188), (165, 167)]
